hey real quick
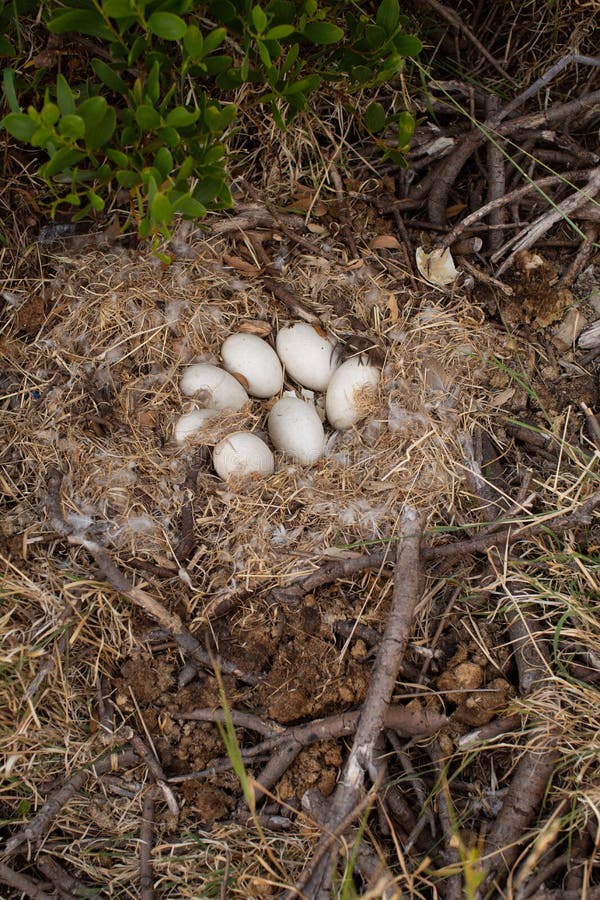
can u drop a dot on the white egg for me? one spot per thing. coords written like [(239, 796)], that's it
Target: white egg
[(344, 402), (191, 423), (309, 357), (296, 429), (256, 361), (242, 453), (213, 387)]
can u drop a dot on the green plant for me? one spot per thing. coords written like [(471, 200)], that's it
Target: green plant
[(148, 117)]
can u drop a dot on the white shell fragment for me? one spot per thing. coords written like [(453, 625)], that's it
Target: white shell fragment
[(296, 429), (343, 403), (310, 358), (437, 266), (213, 387), (191, 423), (242, 453), (257, 362)]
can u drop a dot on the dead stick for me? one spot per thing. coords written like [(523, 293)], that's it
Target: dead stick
[(35, 829), (23, 884), (405, 720), (509, 198), (521, 803), (496, 180), (343, 211), (447, 173), (454, 881), (406, 592), (146, 841), (458, 23), (528, 236)]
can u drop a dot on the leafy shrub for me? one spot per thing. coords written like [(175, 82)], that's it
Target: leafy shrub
[(148, 114)]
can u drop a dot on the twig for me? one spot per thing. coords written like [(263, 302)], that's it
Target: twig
[(156, 771), (528, 236), (406, 592), (405, 720), (448, 171), (493, 729), (146, 841), (581, 515), (483, 277), (458, 23), (283, 293), (171, 622), (23, 883), (453, 883), (583, 255), (520, 805), (35, 829), (67, 886), (506, 200), (239, 719), (343, 211), (496, 180)]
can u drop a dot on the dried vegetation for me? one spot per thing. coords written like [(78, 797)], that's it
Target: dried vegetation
[(407, 632)]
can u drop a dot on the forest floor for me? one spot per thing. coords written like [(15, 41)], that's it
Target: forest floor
[(373, 676)]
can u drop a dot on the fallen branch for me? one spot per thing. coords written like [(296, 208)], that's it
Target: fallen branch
[(145, 842), (448, 171), (349, 792), (407, 721), (528, 236), (23, 884), (35, 829)]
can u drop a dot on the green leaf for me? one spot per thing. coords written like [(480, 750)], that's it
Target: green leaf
[(62, 160), (163, 161), (109, 77), (265, 58), (303, 86), (19, 126), (72, 126), (64, 96), (152, 87), (92, 112), (50, 113), (116, 156), (118, 9), (6, 48), (223, 11), (101, 133), (147, 117), (259, 19), (73, 199), (322, 33), (139, 46), (95, 201), (406, 129), (169, 136), (166, 25), (8, 87), (193, 42), (279, 32), (388, 16), (160, 208), (190, 208), (84, 21), (128, 179), (376, 37), (181, 117), (408, 44), (375, 117), (214, 39)]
